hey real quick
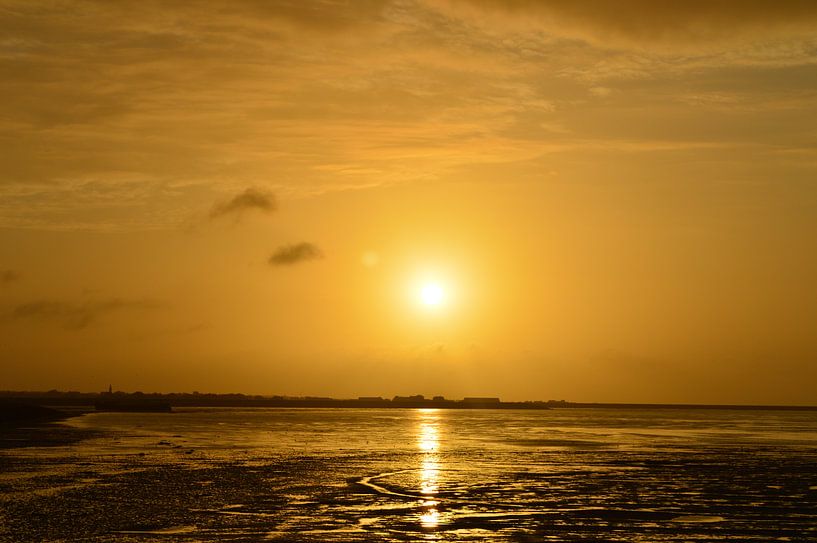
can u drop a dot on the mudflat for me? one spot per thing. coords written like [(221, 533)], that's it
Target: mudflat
[(407, 475)]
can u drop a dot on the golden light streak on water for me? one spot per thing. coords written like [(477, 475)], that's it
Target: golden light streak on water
[(429, 476), (428, 432), (428, 441), (430, 519)]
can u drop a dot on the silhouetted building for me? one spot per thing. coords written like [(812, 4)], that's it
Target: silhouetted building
[(415, 398)]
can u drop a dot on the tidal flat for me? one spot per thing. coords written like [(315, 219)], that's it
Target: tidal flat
[(415, 475)]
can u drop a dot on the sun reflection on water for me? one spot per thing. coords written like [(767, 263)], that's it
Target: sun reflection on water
[(428, 441), (429, 475), (430, 519)]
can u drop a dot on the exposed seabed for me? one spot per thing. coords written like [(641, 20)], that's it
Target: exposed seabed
[(170, 489)]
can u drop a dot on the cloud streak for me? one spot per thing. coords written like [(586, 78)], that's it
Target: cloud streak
[(75, 316), (646, 22), (249, 200), (294, 254), (145, 120)]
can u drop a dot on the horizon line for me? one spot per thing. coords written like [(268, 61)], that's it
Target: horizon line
[(423, 398)]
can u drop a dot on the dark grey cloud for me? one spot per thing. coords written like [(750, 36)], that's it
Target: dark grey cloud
[(75, 315), (8, 276), (249, 200), (293, 254)]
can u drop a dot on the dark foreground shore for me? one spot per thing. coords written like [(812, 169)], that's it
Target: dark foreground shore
[(41, 434), (29, 425), (280, 475), (133, 498)]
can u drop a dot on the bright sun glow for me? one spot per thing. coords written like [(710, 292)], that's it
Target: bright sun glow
[(432, 294)]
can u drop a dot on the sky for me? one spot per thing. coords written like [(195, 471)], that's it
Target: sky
[(609, 202)]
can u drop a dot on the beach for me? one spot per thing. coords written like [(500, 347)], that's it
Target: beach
[(411, 475)]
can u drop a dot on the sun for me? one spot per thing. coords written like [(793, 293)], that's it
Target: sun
[(432, 294)]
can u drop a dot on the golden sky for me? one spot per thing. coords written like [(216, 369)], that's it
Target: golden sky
[(615, 201)]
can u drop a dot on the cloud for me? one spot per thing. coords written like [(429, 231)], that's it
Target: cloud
[(75, 316), (645, 22), (293, 254), (143, 120), (250, 199), (326, 16), (8, 276)]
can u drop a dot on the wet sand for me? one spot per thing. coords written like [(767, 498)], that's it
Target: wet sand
[(41, 434), (138, 487)]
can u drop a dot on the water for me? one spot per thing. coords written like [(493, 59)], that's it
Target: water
[(420, 475)]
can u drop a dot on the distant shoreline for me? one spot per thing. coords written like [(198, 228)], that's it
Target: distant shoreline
[(726, 407), (62, 400)]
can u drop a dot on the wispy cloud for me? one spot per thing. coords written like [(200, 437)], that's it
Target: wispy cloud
[(249, 200), (147, 120), (76, 315), (293, 254), (692, 23)]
